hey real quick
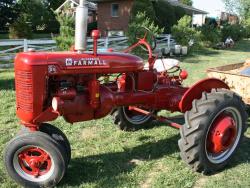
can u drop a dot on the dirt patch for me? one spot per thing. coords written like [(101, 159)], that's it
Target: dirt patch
[(158, 169), (89, 133), (201, 182), (136, 162)]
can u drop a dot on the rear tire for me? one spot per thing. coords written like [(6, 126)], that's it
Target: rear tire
[(33, 159), (126, 121), (199, 145)]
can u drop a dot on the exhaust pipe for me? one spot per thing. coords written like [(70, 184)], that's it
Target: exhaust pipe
[(81, 24)]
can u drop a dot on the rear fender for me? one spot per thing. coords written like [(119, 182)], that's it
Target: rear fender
[(195, 92)]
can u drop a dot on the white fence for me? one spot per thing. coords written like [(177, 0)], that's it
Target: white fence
[(11, 47)]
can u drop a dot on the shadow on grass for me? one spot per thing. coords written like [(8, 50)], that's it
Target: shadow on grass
[(7, 84), (103, 169)]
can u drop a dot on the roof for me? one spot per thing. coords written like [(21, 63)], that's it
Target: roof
[(91, 6), (189, 9)]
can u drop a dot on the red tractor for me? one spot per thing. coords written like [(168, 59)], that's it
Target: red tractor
[(74, 85)]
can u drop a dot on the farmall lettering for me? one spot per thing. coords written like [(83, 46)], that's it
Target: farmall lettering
[(84, 62)]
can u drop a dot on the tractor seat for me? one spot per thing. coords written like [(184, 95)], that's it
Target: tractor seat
[(163, 65)]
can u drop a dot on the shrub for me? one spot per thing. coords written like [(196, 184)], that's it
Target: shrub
[(20, 29), (141, 20), (66, 38), (236, 32), (210, 35), (247, 27), (184, 33)]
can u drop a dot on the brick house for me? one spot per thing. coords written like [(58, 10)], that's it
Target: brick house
[(230, 18), (113, 15)]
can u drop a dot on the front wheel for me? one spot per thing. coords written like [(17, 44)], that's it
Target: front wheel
[(213, 130), (35, 160)]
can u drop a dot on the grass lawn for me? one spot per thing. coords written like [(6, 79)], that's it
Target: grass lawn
[(105, 157)]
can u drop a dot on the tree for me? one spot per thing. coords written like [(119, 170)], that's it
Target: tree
[(66, 38), (135, 29), (240, 7), (36, 13), (40, 14), (143, 6), (232, 6), (8, 13), (165, 19), (184, 33), (20, 29), (187, 2), (54, 4)]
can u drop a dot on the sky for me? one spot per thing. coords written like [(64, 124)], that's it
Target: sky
[(211, 6)]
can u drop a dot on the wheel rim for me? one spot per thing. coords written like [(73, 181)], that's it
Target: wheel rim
[(223, 135), (33, 163), (136, 117)]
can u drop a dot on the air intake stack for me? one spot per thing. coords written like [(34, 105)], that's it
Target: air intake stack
[(81, 24)]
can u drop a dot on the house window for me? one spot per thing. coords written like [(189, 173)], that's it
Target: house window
[(114, 10)]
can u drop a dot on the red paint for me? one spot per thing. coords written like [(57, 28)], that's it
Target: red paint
[(67, 94), (159, 118), (34, 161), (143, 42), (183, 74), (94, 93), (95, 35), (145, 80), (195, 92), (222, 134), (67, 84)]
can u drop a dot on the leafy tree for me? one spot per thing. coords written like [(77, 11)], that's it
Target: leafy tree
[(210, 35), (187, 2), (236, 32), (246, 24), (20, 29), (240, 7), (179, 13), (8, 12), (66, 38), (40, 14), (135, 26), (54, 4), (184, 33), (143, 6), (165, 19)]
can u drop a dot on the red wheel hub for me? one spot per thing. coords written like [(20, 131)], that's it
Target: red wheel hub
[(222, 134), (34, 161)]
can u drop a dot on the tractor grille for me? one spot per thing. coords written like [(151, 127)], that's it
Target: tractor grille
[(24, 91)]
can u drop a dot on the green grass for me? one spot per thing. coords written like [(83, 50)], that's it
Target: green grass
[(103, 156)]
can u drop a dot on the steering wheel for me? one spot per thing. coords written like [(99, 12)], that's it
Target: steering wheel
[(146, 34)]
